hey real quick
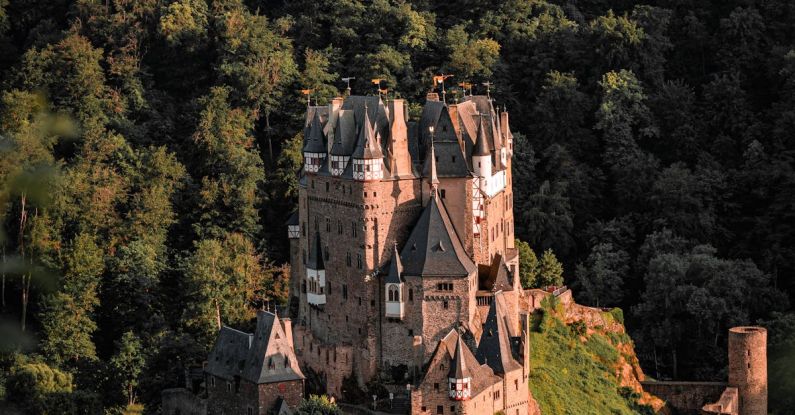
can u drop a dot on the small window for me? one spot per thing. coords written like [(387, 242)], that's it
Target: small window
[(411, 333), (345, 295), (339, 227), (353, 228), (436, 386), (411, 294), (348, 260), (439, 408), (424, 408), (516, 383), (328, 225), (452, 409), (359, 261), (212, 381), (229, 386), (446, 304), (443, 193), (327, 186)]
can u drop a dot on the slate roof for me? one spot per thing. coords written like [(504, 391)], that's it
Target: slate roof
[(395, 274), (482, 375), (263, 357), (344, 134), (459, 368), (315, 260), (314, 139), (367, 145), (293, 219), (494, 348), (496, 276), (481, 145), (433, 248)]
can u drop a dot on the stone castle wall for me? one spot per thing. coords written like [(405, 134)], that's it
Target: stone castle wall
[(748, 368)]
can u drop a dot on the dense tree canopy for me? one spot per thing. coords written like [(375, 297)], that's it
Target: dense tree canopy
[(148, 154)]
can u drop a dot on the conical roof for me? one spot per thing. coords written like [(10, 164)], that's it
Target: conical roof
[(315, 140), (395, 268), (316, 255), (459, 368), (482, 143), (429, 171)]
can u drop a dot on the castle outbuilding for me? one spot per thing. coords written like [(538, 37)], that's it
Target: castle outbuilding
[(402, 251)]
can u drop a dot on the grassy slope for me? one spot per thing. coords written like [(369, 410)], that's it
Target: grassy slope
[(573, 373)]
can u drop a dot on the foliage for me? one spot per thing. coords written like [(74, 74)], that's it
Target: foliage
[(550, 270), (318, 404), (127, 364), (528, 264)]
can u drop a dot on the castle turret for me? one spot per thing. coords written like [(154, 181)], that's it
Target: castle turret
[(368, 159), (314, 145), (316, 274), (748, 368), (460, 377), (393, 286), (481, 155)]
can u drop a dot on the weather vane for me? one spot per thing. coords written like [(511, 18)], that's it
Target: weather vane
[(488, 86), (308, 93), (348, 83), (377, 83), (439, 79), (464, 86)]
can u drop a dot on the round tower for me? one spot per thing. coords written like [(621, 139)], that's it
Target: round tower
[(748, 368)]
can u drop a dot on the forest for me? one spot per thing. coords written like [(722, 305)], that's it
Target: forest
[(149, 150)]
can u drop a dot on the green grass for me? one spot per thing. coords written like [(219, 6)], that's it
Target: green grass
[(572, 376)]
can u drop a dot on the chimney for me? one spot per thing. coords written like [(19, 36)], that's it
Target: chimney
[(432, 96), (399, 159), (287, 325)]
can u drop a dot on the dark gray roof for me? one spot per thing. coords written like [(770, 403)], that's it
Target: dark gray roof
[(314, 139), (316, 254), (481, 145), (344, 134), (293, 219), (496, 276), (495, 342), (263, 357), (395, 274), (228, 357), (367, 146), (452, 162), (433, 248)]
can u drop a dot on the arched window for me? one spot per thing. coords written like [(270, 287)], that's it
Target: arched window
[(393, 293)]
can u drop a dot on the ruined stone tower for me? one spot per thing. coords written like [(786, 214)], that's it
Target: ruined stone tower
[(748, 368)]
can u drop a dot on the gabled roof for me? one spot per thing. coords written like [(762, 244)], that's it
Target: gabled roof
[(316, 255), (229, 354), (314, 139), (271, 357), (495, 343), (452, 162), (395, 274), (482, 376), (263, 357), (496, 276), (433, 248)]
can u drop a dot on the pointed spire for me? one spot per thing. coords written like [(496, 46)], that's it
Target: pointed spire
[(481, 145), (434, 180), (395, 267), (315, 141), (367, 146), (458, 367)]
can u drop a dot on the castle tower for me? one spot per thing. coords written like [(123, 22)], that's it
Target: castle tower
[(368, 159), (314, 145), (748, 368)]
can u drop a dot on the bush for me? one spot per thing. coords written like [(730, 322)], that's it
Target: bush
[(618, 315), (318, 405)]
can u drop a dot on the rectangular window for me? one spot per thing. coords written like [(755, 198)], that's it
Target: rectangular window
[(436, 386), (348, 260), (446, 304), (339, 227), (328, 225), (444, 286), (345, 293), (327, 186), (439, 409), (411, 333), (353, 229), (359, 261), (443, 193)]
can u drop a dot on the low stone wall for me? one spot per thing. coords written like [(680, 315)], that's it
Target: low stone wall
[(180, 401), (685, 398)]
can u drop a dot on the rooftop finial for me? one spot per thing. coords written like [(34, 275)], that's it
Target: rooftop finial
[(308, 93), (347, 81), (488, 86)]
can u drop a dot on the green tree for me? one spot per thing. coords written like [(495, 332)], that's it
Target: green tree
[(602, 275), (528, 265), (319, 405), (470, 58), (550, 270), (127, 364)]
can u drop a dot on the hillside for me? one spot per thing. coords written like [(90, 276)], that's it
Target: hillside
[(583, 362)]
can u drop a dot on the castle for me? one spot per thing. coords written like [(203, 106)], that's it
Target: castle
[(402, 252)]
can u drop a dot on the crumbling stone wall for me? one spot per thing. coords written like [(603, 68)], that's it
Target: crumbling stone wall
[(687, 398), (728, 404)]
